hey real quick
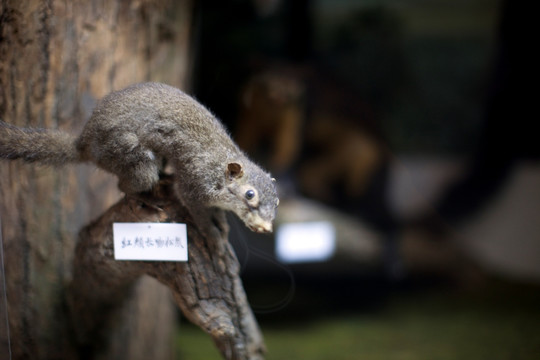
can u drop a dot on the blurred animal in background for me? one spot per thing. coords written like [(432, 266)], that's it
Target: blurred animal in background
[(318, 134), (322, 141), (345, 156), (343, 147), (271, 117)]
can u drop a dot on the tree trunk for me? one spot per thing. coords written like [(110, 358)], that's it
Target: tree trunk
[(57, 58)]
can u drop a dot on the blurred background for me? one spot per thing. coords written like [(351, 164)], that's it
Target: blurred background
[(405, 129)]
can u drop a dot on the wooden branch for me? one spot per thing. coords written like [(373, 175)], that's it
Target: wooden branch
[(207, 287)]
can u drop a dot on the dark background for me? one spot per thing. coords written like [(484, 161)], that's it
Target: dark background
[(435, 99)]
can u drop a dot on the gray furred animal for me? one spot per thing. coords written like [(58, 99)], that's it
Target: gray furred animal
[(132, 130)]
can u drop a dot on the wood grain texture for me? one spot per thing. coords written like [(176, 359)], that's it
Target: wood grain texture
[(57, 58), (207, 288)]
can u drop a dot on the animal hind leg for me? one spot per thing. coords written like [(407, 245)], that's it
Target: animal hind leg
[(139, 176), (136, 167)]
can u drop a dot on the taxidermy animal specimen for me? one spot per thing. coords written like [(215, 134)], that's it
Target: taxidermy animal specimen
[(129, 134)]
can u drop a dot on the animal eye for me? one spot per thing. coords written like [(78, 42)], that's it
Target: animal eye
[(250, 194)]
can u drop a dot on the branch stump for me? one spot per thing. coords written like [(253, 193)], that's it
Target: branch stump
[(207, 287)]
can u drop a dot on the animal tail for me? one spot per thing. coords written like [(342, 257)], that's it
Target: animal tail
[(49, 147)]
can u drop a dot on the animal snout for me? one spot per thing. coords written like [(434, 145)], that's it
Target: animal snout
[(262, 228)]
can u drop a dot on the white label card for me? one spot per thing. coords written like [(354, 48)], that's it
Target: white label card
[(150, 241)]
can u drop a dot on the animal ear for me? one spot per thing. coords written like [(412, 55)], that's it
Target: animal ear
[(234, 171)]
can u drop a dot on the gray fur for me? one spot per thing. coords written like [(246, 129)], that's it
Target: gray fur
[(131, 130)]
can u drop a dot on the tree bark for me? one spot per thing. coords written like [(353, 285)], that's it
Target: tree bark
[(57, 58), (207, 288)]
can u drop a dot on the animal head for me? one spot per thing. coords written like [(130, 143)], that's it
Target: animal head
[(252, 195)]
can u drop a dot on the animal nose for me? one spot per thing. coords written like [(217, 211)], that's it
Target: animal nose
[(264, 228)]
